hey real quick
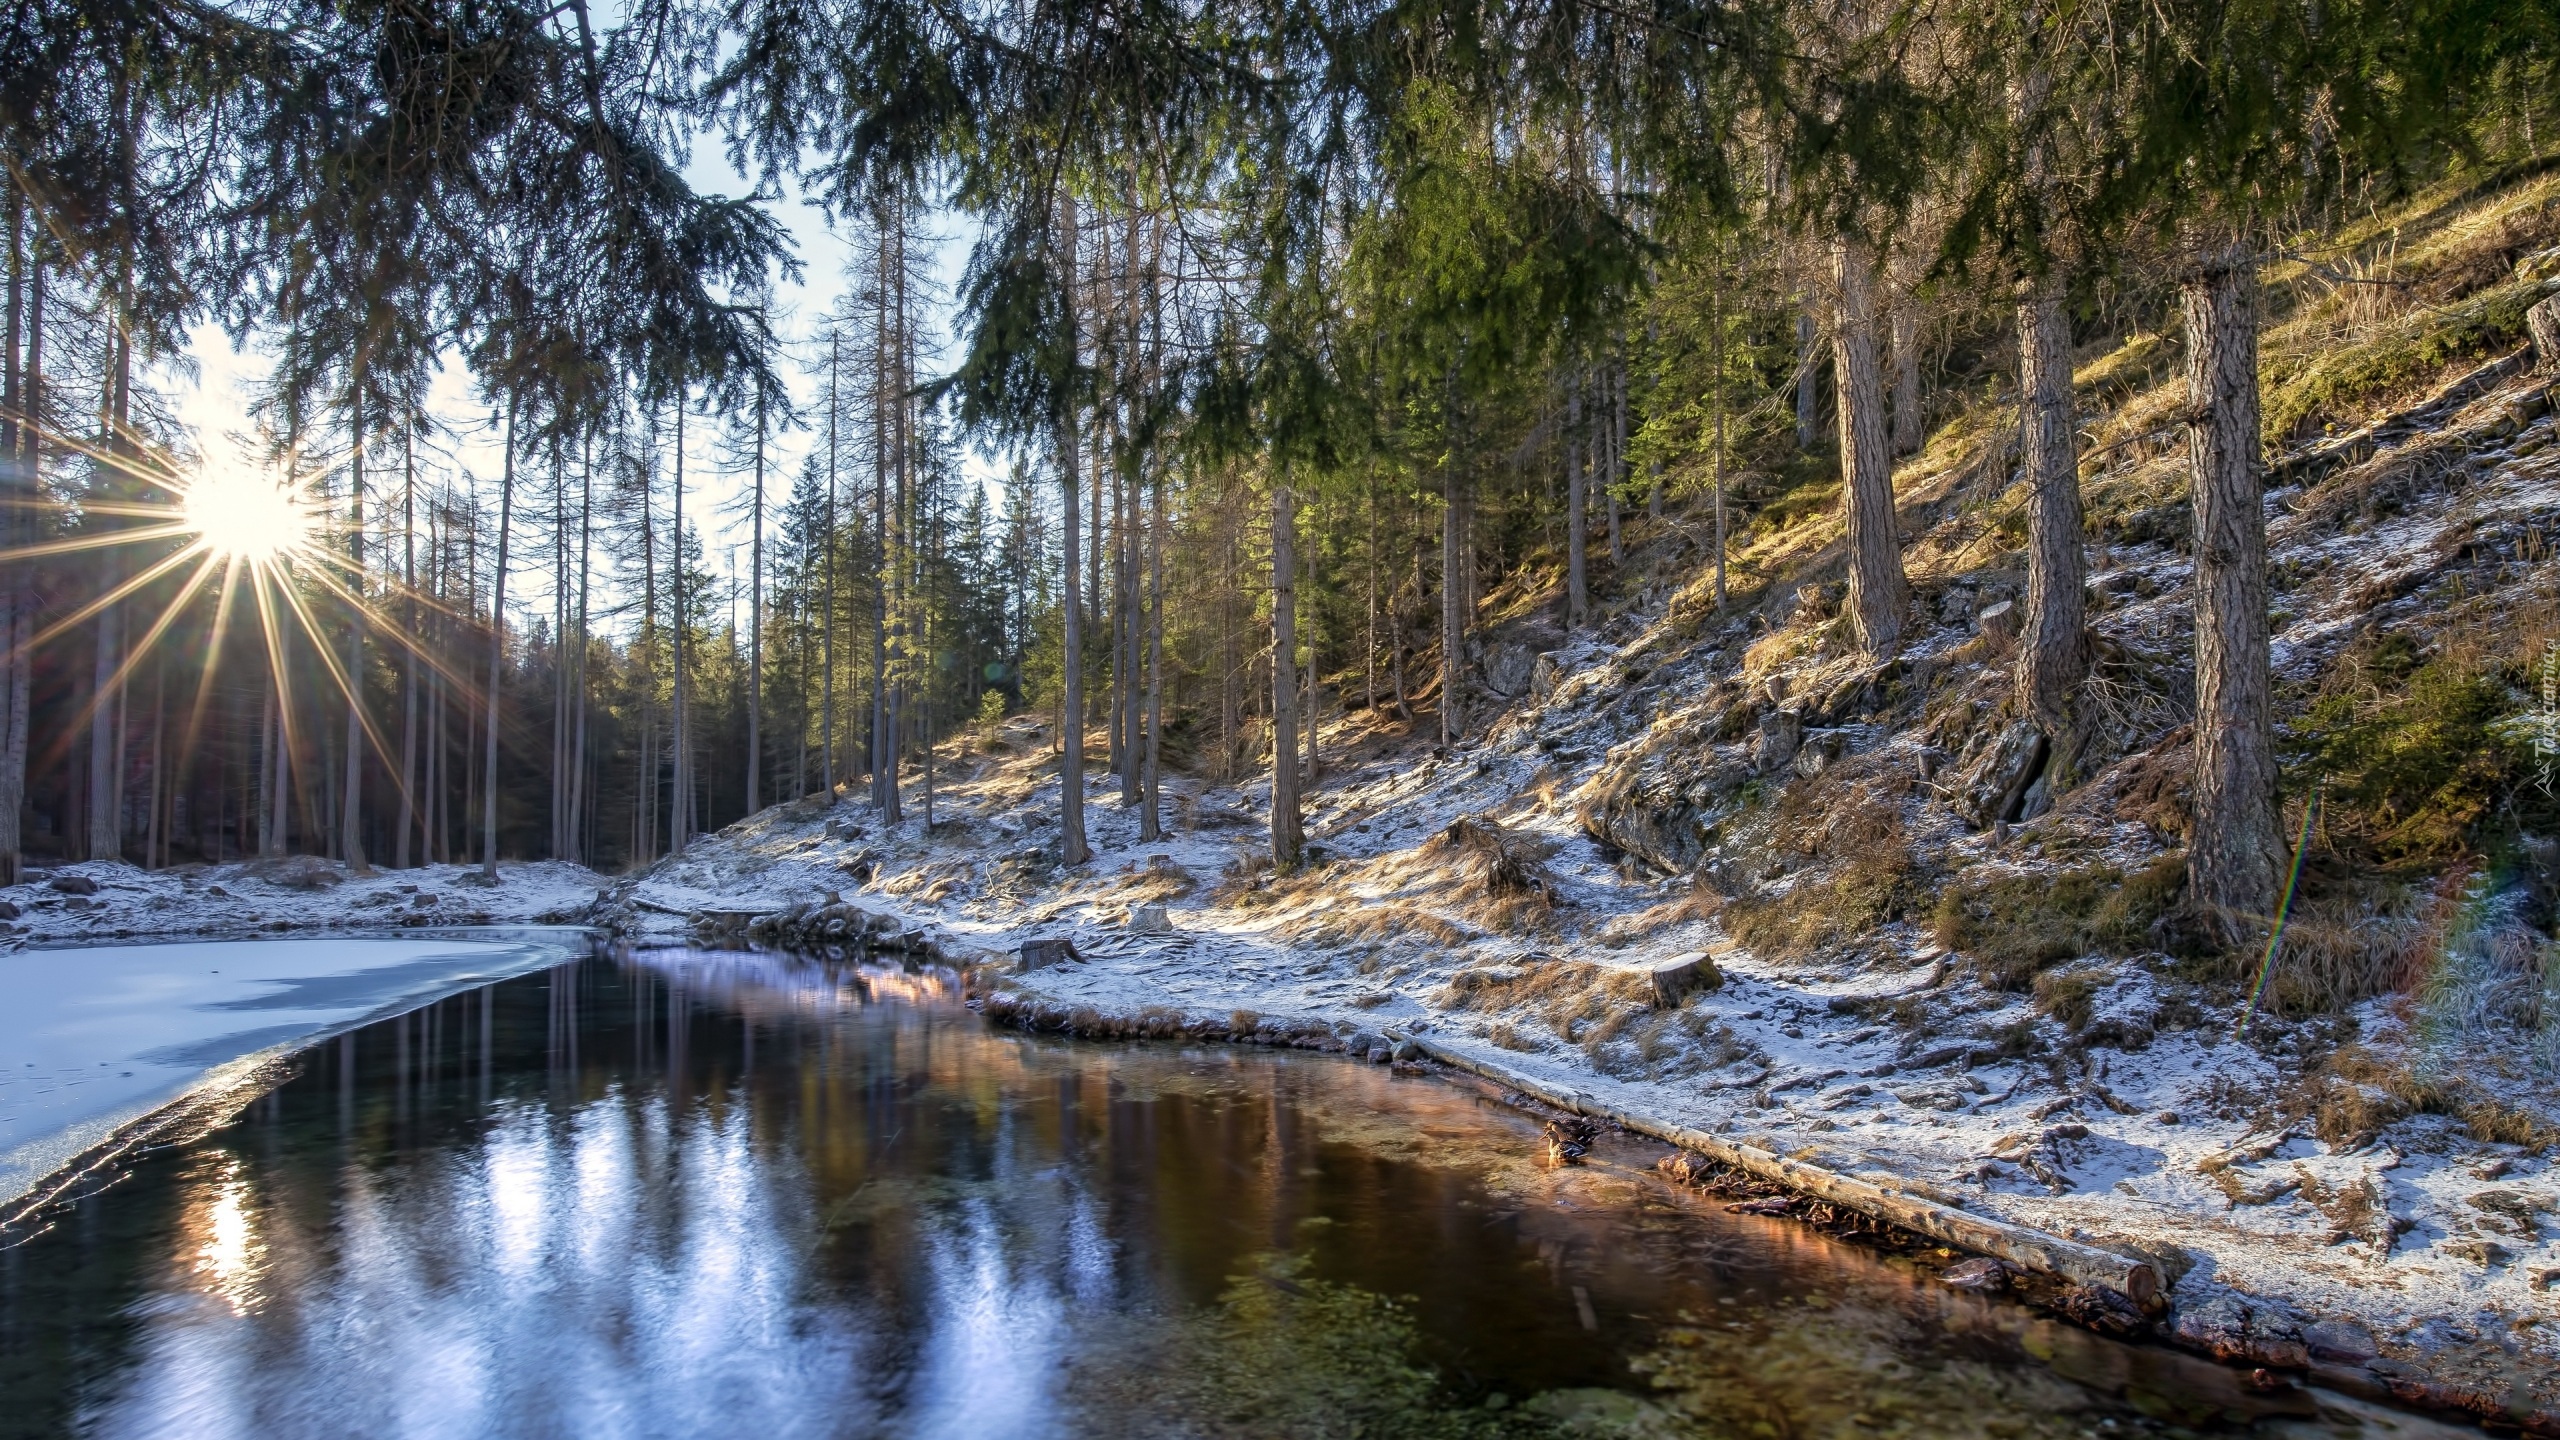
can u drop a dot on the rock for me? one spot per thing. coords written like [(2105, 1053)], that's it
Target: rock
[(1544, 676), (9, 910), (2106, 1311), (218, 891), (2543, 323), (1956, 606), (2000, 621), (1150, 920), (2339, 1342), (1659, 800), (1509, 670), (2484, 1253), (2517, 1207), (72, 885), (2230, 1327), (2545, 1279), (1781, 735), (1998, 783), (1980, 1273), (1682, 976), (1819, 750), (1040, 954)]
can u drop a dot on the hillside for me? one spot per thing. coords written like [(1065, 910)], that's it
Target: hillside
[(1949, 960)]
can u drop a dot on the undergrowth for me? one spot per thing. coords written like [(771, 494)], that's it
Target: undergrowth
[(2016, 926)]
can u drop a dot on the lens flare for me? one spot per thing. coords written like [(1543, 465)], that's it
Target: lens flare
[(244, 514)]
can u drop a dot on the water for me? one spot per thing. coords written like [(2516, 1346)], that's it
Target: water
[(716, 1194)]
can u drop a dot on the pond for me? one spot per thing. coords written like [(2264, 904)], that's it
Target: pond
[(694, 1193)]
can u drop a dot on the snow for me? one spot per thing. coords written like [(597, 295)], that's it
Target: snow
[(94, 1039), (296, 894)]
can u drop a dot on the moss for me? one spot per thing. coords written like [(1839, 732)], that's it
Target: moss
[(2016, 926), (2414, 346), (2409, 762), (1864, 891)]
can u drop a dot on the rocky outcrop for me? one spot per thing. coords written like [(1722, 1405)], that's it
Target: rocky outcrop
[(1659, 800)]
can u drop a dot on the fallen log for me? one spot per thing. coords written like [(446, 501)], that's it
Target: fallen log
[(2020, 1245)]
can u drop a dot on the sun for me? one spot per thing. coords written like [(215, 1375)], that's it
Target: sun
[(245, 514)]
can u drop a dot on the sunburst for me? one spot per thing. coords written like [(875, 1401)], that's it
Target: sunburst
[(228, 524)]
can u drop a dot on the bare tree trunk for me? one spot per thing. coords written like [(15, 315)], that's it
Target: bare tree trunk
[(1151, 810), (1715, 327), (106, 746), (1614, 475), (497, 653), (1072, 849), (1288, 839), (1877, 590), (1907, 419), (679, 717), (1453, 601), (351, 784), (273, 760), (17, 604), (1577, 510), (1808, 401), (755, 626), (579, 829), (2054, 649), (400, 851), (2234, 852)]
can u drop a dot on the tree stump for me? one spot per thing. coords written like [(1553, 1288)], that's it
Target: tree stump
[(1681, 976)]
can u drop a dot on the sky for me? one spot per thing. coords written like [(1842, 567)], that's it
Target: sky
[(214, 401)]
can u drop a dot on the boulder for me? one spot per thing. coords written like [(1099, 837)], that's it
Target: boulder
[(1544, 676), (1658, 800), (1682, 976), (2543, 323), (1996, 786), (1509, 670), (1820, 751), (299, 872), (72, 885), (1041, 954), (1781, 735)]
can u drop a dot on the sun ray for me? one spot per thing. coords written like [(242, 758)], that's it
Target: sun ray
[(231, 569), (135, 652), (100, 541), (171, 562), (400, 637), (276, 668), (338, 672)]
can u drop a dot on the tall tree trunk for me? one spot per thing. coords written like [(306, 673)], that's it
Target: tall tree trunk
[(2234, 853), (1907, 419), (17, 484), (1577, 510), (1877, 590), (351, 785), (1808, 366), (1288, 838), (497, 653), (755, 625), (1615, 474), (2054, 649), (679, 711), (400, 852), (1072, 849), (105, 840), (273, 760), (1151, 808), (1715, 362), (580, 831), (1453, 600)]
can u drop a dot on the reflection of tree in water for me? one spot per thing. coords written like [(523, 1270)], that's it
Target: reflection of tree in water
[(1284, 1356), (1812, 1370)]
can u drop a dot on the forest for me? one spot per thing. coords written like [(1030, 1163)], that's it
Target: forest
[(1298, 334)]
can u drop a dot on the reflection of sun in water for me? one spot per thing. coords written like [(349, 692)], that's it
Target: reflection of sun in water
[(231, 1255), (245, 514)]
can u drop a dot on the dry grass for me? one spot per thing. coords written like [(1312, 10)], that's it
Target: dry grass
[(2360, 1092), (1871, 875)]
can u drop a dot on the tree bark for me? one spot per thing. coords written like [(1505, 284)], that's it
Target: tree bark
[(1907, 419), (679, 711), (1808, 364), (1877, 590), (351, 785), (1288, 838), (755, 626), (497, 653), (1072, 849), (1452, 605), (2234, 852), (400, 844), (17, 482), (1577, 510), (2054, 650)]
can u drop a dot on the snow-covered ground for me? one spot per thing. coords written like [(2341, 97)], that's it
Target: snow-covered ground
[(94, 901), (94, 1039)]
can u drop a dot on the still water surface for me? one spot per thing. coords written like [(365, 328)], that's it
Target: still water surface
[(711, 1194)]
